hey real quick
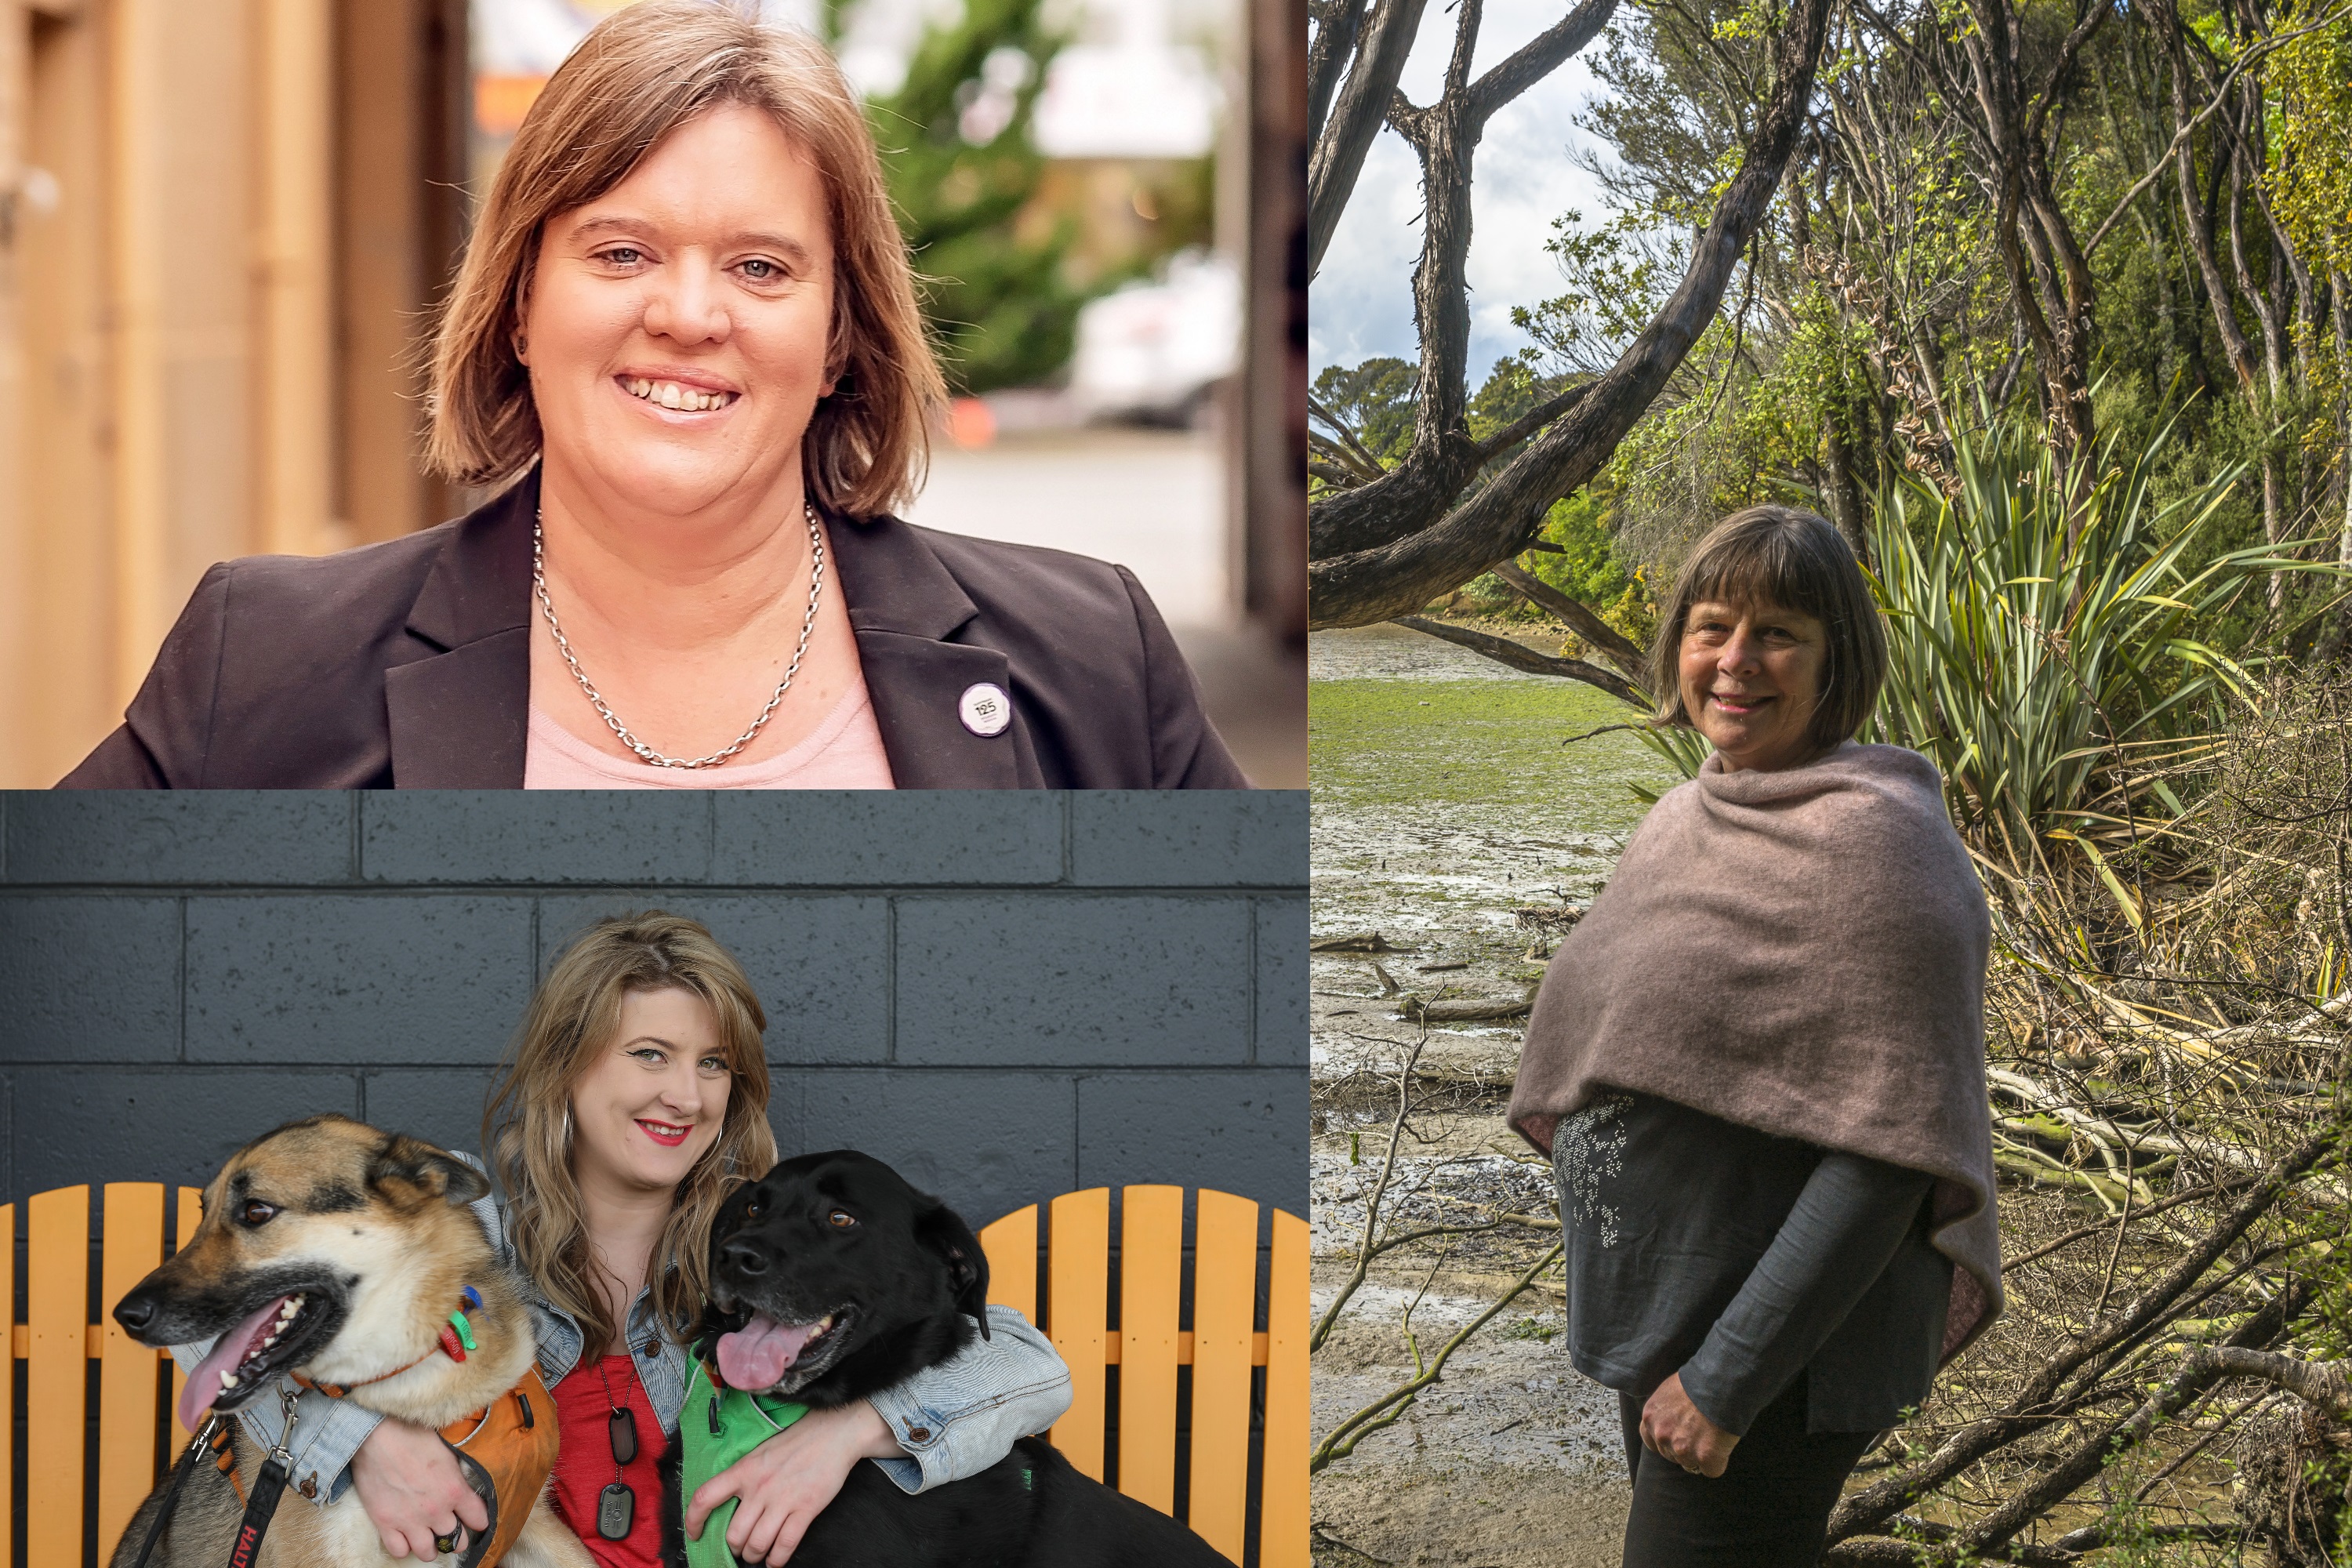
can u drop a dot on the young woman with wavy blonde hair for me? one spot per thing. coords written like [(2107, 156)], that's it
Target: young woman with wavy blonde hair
[(633, 1097)]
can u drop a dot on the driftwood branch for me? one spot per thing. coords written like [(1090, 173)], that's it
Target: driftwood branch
[(1867, 1511), (1502, 650), (1605, 639)]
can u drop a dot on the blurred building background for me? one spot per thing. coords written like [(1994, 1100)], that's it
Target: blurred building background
[(224, 225)]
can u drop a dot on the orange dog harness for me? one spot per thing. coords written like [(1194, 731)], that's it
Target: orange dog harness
[(505, 1450)]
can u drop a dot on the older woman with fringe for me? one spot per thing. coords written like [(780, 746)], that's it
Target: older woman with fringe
[(1757, 1067), (684, 351)]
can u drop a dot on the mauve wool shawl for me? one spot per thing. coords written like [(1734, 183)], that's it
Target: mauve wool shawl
[(1801, 951)]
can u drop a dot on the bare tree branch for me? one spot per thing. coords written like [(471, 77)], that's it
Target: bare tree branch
[(1537, 58), (1339, 155), (1427, 554), (1503, 650), (1605, 639), (1338, 25), (1533, 420)]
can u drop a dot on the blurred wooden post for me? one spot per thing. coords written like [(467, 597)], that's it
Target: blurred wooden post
[(1261, 206), (15, 129), (139, 42), (401, 94), (57, 659), (297, 400)]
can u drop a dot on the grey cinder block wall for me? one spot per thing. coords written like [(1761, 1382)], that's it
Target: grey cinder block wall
[(1007, 995)]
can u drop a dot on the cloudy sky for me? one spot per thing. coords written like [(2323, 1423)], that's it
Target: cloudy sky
[(1361, 303)]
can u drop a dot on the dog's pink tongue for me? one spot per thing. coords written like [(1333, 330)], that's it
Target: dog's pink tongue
[(757, 1354), (203, 1384)]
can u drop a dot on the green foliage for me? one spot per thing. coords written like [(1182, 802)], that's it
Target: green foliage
[(1615, 286), (2032, 646), (1589, 568), (999, 304), (1374, 400), (2310, 179)]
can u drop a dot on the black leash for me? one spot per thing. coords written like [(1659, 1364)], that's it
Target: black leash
[(198, 1446), (260, 1505), (261, 1502), (269, 1487)]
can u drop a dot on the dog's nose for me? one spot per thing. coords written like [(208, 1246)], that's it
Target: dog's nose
[(134, 1312), (745, 1257)]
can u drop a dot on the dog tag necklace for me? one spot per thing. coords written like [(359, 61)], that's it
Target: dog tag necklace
[(616, 1505)]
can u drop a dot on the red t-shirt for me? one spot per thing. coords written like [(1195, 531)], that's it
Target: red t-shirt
[(585, 1467)]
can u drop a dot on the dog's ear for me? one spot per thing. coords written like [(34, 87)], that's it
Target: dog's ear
[(416, 1164), (942, 1230)]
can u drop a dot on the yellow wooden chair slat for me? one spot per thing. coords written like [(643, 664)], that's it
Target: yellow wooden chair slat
[(1150, 1287), (192, 1214), (1077, 1262), (8, 1383), (1282, 1511), (1225, 1299), (56, 1309), (1010, 1244), (133, 1221)]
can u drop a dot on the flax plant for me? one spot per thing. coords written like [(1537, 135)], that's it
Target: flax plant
[(2042, 650)]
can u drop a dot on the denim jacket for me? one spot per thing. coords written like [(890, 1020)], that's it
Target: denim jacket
[(953, 1420)]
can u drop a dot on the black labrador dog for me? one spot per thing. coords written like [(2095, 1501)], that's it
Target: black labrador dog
[(831, 1280)]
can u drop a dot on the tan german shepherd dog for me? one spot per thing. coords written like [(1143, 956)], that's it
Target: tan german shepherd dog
[(337, 1252)]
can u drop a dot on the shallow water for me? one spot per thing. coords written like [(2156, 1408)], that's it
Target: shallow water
[(1449, 793)]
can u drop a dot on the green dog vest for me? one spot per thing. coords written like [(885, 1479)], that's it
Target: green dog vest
[(719, 1426)]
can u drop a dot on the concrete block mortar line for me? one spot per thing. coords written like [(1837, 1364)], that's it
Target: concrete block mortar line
[(1250, 959), (709, 836), (180, 978), (354, 804), (1069, 849), (890, 980)]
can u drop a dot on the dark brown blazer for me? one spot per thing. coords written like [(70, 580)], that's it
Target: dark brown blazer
[(407, 664)]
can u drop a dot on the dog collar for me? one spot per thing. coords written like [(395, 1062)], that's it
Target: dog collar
[(719, 1426), (456, 1337)]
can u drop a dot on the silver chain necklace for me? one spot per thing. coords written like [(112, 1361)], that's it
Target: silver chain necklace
[(613, 720)]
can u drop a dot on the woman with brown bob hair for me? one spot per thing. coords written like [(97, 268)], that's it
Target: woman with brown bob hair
[(633, 1099), (684, 342), (1757, 1066)]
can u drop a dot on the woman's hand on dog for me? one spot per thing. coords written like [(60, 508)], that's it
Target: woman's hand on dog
[(409, 1483), (1673, 1429), (784, 1483)]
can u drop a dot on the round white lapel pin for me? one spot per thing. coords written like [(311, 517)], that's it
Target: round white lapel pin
[(984, 709)]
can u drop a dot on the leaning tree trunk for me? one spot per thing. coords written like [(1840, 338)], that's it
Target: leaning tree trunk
[(1387, 548)]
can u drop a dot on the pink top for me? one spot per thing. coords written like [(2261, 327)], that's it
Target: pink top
[(843, 752)]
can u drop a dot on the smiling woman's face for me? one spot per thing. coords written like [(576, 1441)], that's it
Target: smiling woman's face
[(675, 327), (1752, 677), (653, 1099)]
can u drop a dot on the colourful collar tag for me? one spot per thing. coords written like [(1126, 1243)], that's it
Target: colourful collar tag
[(719, 1426)]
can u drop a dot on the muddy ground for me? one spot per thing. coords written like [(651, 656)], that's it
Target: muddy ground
[(1449, 796)]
